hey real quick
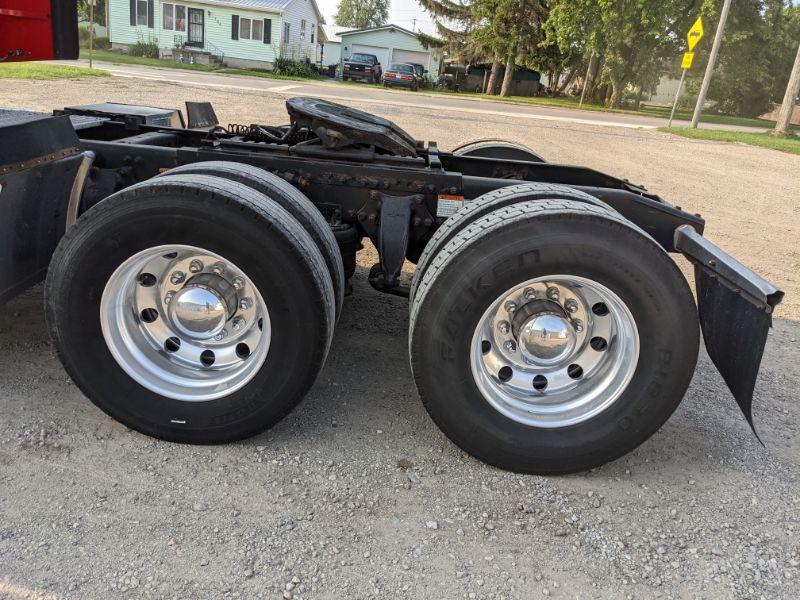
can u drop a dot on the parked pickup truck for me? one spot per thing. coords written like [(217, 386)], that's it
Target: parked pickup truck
[(365, 67)]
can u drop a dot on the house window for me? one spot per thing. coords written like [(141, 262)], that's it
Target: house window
[(251, 29), (174, 17), (312, 33), (258, 30), (286, 33), (302, 29), (141, 12), (244, 29)]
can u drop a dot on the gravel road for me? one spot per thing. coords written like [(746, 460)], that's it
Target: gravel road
[(357, 495)]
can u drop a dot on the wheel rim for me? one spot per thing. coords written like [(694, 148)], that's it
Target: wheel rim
[(185, 323), (554, 351)]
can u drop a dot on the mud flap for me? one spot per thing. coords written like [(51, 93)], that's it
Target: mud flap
[(735, 307)]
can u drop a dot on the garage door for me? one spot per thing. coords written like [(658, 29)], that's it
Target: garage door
[(381, 53), (407, 56)]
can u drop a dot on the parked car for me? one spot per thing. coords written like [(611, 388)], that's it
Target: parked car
[(401, 75), (420, 72), (364, 67)]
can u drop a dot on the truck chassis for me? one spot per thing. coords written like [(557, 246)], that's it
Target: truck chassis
[(196, 273)]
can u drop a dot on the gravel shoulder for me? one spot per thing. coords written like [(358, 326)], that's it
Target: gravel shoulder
[(357, 494)]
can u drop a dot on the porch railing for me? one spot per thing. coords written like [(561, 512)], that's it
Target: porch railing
[(181, 43)]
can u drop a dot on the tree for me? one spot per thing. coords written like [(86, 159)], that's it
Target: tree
[(99, 11), (362, 14), (630, 35), (756, 56)]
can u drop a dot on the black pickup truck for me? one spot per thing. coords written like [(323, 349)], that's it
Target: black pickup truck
[(365, 67)]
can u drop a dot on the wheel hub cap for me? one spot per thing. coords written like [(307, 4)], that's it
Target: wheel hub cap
[(185, 322), (198, 312), (554, 351), (545, 338)]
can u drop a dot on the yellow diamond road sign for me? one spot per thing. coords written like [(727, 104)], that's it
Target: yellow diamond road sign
[(695, 33), (688, 59)]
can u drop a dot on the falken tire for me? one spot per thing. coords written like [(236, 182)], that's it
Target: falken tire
[(290, 198), (233, 221), (537, 239), (488, 203)]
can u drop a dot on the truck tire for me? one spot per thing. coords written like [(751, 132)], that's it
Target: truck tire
[(191, 308), (499, 149), (289, 197), (593, 356), (487, 203)]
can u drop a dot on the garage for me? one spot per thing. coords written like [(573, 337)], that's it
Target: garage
[(381, 53), (410, 56), (391, 44)]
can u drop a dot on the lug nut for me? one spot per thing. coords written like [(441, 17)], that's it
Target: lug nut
[(245, 303), (168, 298), (221, 335), (511, 306), (238, 283), (552, 293), (177, 277), (578, 325), (529, 294), (511, 346), (218, 269), (196, 266), (504, 327), (239, 323), (571, 306)]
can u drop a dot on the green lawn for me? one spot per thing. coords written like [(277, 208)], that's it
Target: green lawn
[(41, 71), (124, 59), (789, 143)]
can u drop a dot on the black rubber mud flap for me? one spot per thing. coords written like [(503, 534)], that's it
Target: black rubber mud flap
[(735, 307)]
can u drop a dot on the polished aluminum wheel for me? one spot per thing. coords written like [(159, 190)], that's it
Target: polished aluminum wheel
[(185, 323), (554, 351)]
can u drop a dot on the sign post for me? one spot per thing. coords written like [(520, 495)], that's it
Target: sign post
[(91, 30), (693, 37)]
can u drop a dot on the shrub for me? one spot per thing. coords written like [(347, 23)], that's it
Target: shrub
[(145, 48), (292, 68), (100, 42)]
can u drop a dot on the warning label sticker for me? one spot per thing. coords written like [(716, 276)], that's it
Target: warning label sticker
[(448, 205)]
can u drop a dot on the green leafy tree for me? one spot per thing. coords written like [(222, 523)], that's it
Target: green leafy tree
[(631, 36), (99, 11), (361, 14), (755, 58)]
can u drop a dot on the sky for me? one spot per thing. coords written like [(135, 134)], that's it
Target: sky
[(401, 12)]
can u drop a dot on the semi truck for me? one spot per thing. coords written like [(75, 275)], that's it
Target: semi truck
[(194, 272)]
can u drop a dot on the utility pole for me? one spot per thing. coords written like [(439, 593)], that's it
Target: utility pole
[(712, 60), (91, 30), (787, 108), (586, 80)]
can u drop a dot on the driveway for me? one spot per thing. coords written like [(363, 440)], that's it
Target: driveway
[(357, 494)]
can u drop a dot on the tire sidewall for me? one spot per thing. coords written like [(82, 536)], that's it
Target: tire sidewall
[(478, 276)]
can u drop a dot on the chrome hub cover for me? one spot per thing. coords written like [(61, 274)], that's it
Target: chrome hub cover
[(546, 338), (198, 312)]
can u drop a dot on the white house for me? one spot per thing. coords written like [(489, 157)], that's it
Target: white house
[(391, 44), (329, 51), (238, 33)]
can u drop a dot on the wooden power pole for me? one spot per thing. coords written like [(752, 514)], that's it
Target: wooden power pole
[(792, 91), (712, 61)]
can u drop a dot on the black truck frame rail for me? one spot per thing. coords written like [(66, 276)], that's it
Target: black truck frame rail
[(367, 180)]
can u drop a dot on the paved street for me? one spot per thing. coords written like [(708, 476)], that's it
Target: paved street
[(375, 95), (356, 494)]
